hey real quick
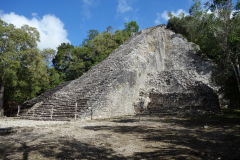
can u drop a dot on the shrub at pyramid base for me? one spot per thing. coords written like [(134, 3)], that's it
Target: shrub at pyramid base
[(155, 72)]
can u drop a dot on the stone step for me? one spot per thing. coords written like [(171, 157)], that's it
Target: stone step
[(48, 115), (49, 119), (56, 112)]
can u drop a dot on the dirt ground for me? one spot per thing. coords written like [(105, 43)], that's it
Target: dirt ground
[(124, 137)]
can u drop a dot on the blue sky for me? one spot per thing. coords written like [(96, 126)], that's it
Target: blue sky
[(61, 21)]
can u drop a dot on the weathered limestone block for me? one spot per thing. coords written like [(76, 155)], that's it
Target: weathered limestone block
[(154, 70)]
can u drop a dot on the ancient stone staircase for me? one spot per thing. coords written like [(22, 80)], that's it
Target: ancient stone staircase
[(58, 106), (63, 107)]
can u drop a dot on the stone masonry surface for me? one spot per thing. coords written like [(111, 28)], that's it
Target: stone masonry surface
[(155, 71)]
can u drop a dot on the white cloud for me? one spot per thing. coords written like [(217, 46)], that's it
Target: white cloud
[(85, 8), (157, 20), (217, 14), (88, 2), (123, 6), (51, 28), (126, 19), (164, 15), (34, 14)]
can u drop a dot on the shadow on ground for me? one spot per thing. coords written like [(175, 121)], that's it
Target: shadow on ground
[(189, 141), (175, 139), (58, 148)]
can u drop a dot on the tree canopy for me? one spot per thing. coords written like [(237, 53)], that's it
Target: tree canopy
[(71, 62), (131, 27), (23, 67), (217, 34), (26, 71)]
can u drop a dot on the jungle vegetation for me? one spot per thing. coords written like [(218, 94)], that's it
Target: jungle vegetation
[(215, 27), (26, 71)]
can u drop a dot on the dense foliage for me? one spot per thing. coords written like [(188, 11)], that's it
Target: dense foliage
[(71, 62), (26, 71), (23, 67), (216, 29)]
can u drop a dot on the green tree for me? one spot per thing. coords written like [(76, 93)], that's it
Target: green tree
[(94, 49), (62, 61), (54, 79), (91, 35), (31, 77), (110, 29), (48, 54), (217, 34), (82, 61), (225, 30), (21, 63), (237, 5), (196, 9), (103, 46), (121, 36), (214, 5), (131, 27)]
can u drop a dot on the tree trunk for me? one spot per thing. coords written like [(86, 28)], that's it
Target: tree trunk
[(1, 97), (237, 75), (238, 81)]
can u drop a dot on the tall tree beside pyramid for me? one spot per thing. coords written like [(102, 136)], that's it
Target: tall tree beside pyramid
[(23, 67), (218, 35)]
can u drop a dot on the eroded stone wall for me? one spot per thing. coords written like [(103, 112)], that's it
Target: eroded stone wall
[(176, 92)]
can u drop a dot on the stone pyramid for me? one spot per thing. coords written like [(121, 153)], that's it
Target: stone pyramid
[(154, 72)]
